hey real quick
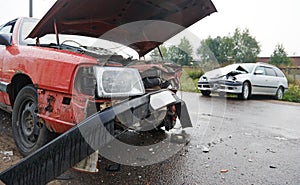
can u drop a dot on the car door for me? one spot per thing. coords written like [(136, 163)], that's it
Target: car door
[(259, 81), (272, 80), (6, 29)]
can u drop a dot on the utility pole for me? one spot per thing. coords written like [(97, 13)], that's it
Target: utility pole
[(30, 8)]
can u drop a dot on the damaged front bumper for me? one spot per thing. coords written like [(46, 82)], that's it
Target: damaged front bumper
[(84, 139), (234, 87)]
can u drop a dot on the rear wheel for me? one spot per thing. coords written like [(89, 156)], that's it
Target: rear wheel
[(29, 134), (279, 93), (205, 93), (246, 91)]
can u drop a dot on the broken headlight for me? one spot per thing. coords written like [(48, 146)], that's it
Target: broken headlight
[(118, 82), (85, 81), (203, 78), (230, 78)]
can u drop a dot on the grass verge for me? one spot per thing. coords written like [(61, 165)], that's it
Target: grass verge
[(293, 94)]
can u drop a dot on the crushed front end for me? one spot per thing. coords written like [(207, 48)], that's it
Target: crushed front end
[(105, 86)]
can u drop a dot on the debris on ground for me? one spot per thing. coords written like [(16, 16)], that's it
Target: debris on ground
[(224, 171), (7, 153), (6, 156), (204, 148), (270, 150), (181, 138), (113, 167), (280, 138)]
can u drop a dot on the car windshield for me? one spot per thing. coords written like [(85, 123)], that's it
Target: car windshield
[(100, 46)]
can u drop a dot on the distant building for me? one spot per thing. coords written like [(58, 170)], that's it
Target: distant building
[(295, 60)]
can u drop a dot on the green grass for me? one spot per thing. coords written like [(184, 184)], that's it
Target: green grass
[(188, 84), (189, 79), (293, 94), (194, 72)]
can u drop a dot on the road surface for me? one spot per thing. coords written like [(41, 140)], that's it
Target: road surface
[(231, 142)]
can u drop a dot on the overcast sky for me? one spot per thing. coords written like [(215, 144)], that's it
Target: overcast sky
[(270, 22)]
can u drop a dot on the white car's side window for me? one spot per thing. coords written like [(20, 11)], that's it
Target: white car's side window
[(260, 71), (270, 71)]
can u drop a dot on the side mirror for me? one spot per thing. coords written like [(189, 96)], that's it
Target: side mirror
[(5, 39), (259, 72)]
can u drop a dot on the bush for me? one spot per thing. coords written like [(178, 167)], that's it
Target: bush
[(194, 73), (293, 94)]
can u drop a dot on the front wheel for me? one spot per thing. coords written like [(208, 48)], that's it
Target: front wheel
[(29, 134), (205, 93), (279, 93), (246, 91)]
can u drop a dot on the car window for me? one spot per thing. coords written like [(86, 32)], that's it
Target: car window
[(8, 28), (270, 71), (260, 69), (26, 26), (279, 72), (95, 44)]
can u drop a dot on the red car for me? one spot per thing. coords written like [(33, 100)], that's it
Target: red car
[(58, 71)]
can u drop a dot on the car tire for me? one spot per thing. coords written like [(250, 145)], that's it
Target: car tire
[(246, 91), (279, 93), (222, 94), (206, 93), (28, 133)]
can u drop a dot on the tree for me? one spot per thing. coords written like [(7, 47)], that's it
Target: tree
[(218, 49), (186, 46), (246, 48), (279, 56), (156, 55), (181, 54), (177, 55), (207, 50), (241, 47)]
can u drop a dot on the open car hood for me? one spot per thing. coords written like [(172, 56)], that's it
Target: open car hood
[(94, 18)]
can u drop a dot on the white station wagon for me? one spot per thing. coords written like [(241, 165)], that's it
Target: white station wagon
[(244, 79)]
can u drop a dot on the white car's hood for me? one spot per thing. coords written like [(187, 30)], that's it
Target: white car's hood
[(232, 70)]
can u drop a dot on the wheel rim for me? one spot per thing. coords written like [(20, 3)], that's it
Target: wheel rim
[(279, 94), (246, 91), (27, 124)]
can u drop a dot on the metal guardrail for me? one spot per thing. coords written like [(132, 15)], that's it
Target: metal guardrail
[(68, 149)]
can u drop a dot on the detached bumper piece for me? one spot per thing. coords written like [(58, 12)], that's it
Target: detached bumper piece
[(82, 140)]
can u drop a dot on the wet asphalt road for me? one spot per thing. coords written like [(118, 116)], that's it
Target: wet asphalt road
[(231, 142)]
